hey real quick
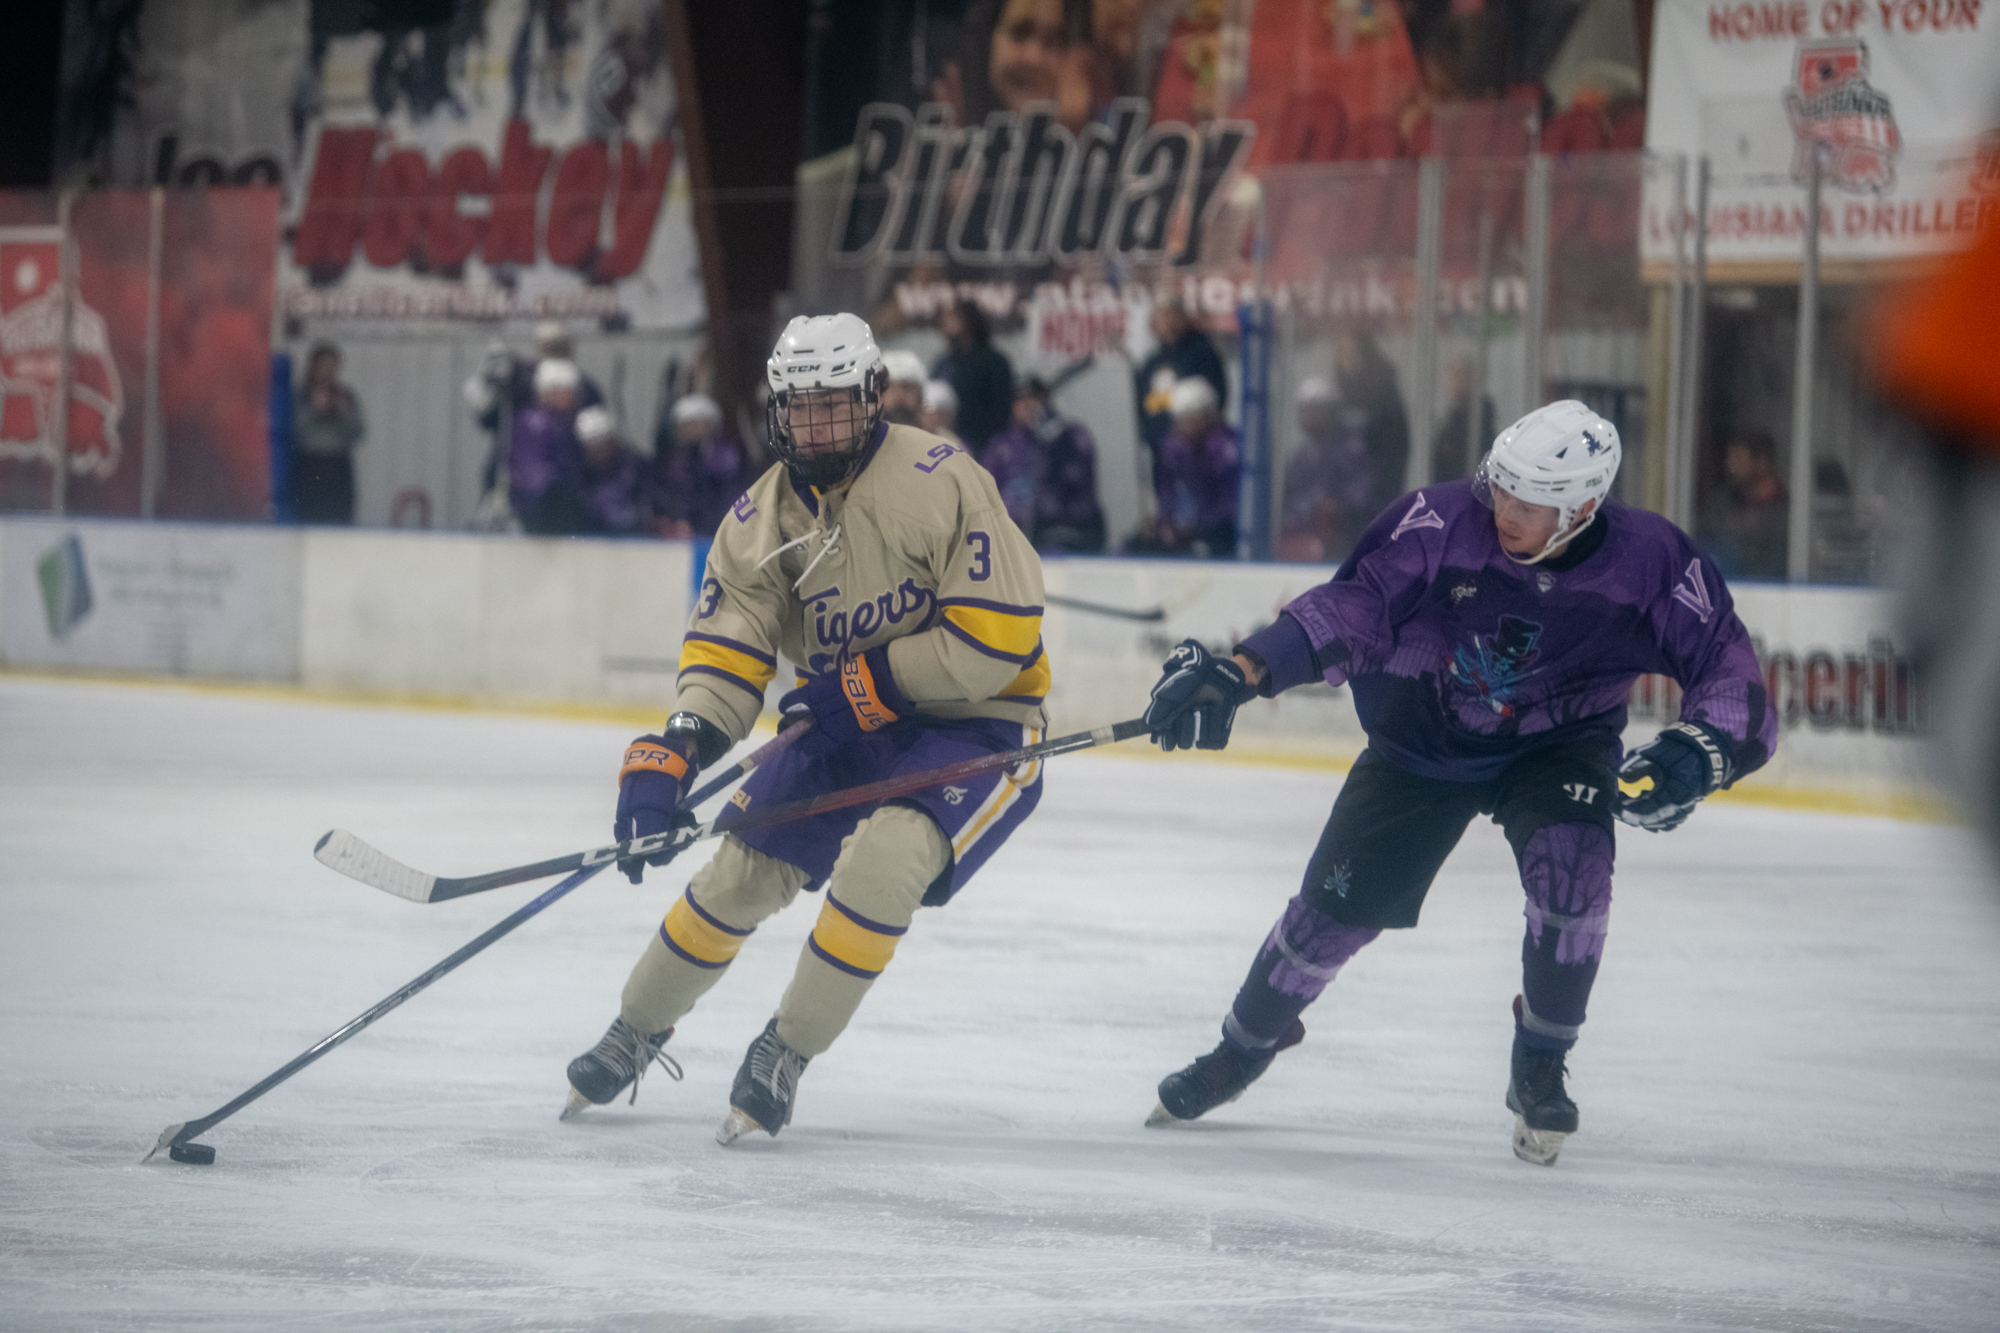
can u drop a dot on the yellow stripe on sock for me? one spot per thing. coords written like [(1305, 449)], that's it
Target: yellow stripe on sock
[(698, 937), (845, 940)]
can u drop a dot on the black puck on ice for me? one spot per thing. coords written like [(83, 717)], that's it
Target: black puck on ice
[(194, 1154)]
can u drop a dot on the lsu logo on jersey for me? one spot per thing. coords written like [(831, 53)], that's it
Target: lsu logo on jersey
[(741, 800)]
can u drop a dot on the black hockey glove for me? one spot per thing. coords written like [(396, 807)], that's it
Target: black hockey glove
[(1662, 781), (1195, 703)]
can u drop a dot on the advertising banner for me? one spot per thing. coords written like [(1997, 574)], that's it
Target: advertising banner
[(1896, 97), (209, 302), (163, 598), (1060, 171), (440, 162)]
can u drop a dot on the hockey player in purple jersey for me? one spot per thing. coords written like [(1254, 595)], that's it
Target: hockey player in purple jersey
[(1490, 630)]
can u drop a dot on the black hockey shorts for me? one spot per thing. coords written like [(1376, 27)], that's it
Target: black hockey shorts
[(1390, 831)]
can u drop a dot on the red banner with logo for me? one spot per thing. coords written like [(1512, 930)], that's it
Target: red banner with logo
[(215, 287)]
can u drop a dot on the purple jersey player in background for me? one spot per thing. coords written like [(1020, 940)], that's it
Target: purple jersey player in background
[(1491, 631)]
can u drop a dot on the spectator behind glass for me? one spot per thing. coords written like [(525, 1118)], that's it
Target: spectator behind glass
[(940, 415), (1196, 481), (981, 376), (1185, 352), (1742, 521), (1369, 392), (1329, 481), (544, 464), (1014, 53), (700, 471), (614, 500), (1452, 455), (505, 379), (1046, 468), (326, 427), (903, 400)]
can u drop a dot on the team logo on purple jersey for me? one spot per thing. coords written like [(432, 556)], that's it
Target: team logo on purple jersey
[(1496, 664), (1421, 515), (1692, 592)]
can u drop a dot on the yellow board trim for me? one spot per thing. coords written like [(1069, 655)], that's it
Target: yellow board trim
[(844, 938), (1907, 804), (1001, 631), (698, 938)]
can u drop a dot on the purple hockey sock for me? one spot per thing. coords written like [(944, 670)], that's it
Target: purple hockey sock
[(1566, 870), (1300, 956)]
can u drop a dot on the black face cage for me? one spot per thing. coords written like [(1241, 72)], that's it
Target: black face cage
[(851, 412)]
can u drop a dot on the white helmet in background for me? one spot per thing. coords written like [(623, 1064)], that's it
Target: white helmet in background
[(595, 423), (1563, 455), (826, 380), (904, 367)]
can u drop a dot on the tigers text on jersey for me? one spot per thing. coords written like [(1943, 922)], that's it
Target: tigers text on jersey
[(917, 553)]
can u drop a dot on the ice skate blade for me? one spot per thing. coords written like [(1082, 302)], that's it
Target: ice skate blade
[(1162, 1117), (734, 1126), (1538, 1146), (575, 1106)]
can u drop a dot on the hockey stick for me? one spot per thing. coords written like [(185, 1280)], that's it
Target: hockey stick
[(356, 859), (176, 1138), (1150, 614)]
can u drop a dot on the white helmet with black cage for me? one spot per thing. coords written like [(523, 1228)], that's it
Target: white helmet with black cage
[(826, 379), (1562, 455)]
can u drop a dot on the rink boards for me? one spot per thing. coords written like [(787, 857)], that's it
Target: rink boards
[(526, 621)]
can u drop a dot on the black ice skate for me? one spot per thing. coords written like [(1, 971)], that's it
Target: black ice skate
[(1544, 1114), (620, 1058), (766, 1085), (1215, 1078)]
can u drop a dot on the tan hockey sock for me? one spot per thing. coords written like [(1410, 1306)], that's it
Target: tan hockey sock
[(877, 885), (703, 931)]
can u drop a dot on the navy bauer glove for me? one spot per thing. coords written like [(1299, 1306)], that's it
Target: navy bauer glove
[(1662, 781)]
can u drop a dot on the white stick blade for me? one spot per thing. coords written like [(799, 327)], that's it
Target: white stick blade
[(342, 851)]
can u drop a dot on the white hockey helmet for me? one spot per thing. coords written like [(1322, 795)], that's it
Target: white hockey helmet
[(826, 378), (1562, 455), (904, 367), (595, 423)]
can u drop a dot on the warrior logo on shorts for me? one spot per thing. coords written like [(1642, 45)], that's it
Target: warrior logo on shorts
[(1496, 664)]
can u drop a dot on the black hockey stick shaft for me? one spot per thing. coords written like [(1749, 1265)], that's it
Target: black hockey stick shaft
[(360, 861), (731, 821), (174, 1135), (1151, 614)]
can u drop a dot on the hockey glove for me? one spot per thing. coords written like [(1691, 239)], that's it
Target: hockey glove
[(1194, 705), (858, 698), (656, 775), (1662, 781)]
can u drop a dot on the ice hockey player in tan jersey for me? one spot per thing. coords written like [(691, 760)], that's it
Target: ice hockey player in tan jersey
[(880, 561)]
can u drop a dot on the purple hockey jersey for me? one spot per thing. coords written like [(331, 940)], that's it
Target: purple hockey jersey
[(1461, 660)]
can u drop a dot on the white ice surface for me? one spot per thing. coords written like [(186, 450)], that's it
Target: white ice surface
[(1790, 1081)]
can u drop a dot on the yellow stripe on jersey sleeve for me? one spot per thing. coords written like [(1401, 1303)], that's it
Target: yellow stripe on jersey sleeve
[(737, 663), (1010, 632)]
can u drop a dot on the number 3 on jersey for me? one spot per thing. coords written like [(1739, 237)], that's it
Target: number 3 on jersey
[(982, 556)]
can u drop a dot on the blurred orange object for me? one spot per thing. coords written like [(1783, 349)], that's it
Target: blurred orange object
[(1933, 346)]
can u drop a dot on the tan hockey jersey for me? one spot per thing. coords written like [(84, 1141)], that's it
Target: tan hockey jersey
[(918, 553)]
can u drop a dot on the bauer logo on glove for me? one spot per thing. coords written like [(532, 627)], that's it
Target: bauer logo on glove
[(1662, 781)]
